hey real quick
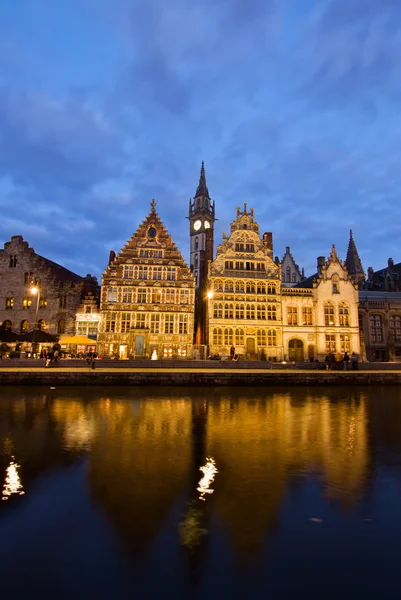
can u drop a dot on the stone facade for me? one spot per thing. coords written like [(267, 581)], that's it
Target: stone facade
[(54, 308), (380, 325), (147, 298)]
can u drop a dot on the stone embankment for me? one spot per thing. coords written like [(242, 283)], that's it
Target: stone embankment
[(198, 373)]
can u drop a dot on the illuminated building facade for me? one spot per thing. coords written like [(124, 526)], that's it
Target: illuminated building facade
[(147, 297), (251, 311)]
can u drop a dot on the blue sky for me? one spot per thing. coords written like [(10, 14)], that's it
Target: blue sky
[(292, 104)]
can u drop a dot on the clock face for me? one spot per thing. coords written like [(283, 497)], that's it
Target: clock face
[(207, 225), (197, 225)]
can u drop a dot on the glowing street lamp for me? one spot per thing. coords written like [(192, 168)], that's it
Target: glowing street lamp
[(36, 291)]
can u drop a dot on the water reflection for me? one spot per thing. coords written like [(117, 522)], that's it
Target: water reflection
[(209, 471), (12, 481)]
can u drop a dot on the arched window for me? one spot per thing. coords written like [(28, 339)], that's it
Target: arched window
[(376, 329), (239, 311), (239, 287), (395, 328), (61, 326), (41, 324), (217, 310), (229, 287), (271, 313), (261, 337), (271, 337), (228, 311), (239, 337), (196, 243), (250, 288), (7, 325), (271, 289), (217, 337), (261, 312), (343, 314), (218, 285), (261, 288), (329, 314), (228, 337), (250, 311), (24, 326)]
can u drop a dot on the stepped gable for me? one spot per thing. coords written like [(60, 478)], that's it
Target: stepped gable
[(150, 235)]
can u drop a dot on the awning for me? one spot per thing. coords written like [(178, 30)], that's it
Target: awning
[(80, 340)]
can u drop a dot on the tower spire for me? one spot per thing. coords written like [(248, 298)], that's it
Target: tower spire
[(353, 262), (202, 190)]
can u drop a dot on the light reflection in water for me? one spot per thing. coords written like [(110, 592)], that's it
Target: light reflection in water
[(12, 482), (209, 471)]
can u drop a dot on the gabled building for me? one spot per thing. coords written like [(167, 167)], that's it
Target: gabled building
[(244, 305), (147, 297), (320, 314), (354, 263), (291, 273), (384, 280), (37, 293)]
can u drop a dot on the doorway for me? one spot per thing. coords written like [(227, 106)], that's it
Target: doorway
[(139, 345), (296, 350), (250, 345), (123, 351)]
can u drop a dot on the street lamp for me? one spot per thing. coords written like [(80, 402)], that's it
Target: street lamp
[(35, 291)]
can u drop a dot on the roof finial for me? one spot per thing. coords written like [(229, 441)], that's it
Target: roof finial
[(202, 190), (153, 205)]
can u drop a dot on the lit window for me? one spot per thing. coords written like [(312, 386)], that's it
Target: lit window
[(239, 337), (169, 324), (125, 322), (329, 314), (183, 324), (343, 314), (228, 337), (261, 337), (9, 303), (128, 271), (112, 294), (217, 337), (306, 315), (330, 343), (271, 337), (155, 323), (292, 315), (271, 313)]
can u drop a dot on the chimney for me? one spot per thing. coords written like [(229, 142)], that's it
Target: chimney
[(320, 263), (370, 272), (268, 240), (390, 264), (112, 257)]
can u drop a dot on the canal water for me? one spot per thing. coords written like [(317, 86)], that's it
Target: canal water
[(200, 493)]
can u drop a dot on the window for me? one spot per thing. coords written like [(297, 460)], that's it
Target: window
[(330, 343), (250, 311), (88, 310), (294, 278), (140, 320), (250, 288), (292, 315), (61, 326), (128, 271), (24, 326), (261, 289), (395, 328), (183, 324), (171, 274), (228, 337), (62, 302), (229, 265), (9, 303), (42, 302), (335, 284), (7, 325), (239, 311), (271, 337), (92, 328), (345, 343), (28, 278), (271, 313), (306, 315), (167, 351), (229, 287), (217, 311), (41, 324), (271, 289), (170, 296), (157, 273), (288, 273), (144, 253), (328, 314), (196, 243), (26, 302), (261, 312), (141, 295), (376, 329), (261, 337), (112, 294), (143, 272), (260, 267), (155, 323), (218, 285), (239, 337), (217, 337), (125, 322), (82, 327), (184, 296), (182, 351), (169, 324), (239, 287), (343, 314), (110, 325), (249, 266), (13, 261), (156, 296), (228, 311)]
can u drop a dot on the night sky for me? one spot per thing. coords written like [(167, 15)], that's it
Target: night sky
[(294, 105)]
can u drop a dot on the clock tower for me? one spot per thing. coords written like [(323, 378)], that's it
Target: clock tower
[(201, 235), (201, 230)]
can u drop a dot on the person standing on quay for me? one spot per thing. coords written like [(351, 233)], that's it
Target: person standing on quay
[(346, 361), (354, 361)]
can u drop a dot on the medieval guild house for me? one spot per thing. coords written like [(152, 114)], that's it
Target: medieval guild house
[(147, 297)]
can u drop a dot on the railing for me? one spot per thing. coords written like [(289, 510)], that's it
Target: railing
[(296, 292)]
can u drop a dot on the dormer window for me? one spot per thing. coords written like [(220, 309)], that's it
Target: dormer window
[(152, 233), (335, 285)]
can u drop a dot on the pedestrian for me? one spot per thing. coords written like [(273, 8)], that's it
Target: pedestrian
[(346, 360), (354, 361), (232, 353)]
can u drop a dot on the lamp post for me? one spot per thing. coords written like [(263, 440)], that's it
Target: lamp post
[(35, 291)]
